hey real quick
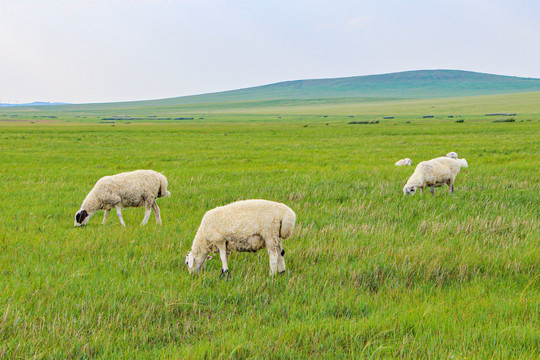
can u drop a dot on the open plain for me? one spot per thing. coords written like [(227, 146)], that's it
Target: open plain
[(370, 273)]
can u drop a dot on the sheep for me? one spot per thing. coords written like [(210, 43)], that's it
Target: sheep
[(452, 155), (434, 173), (243, 226), (128, 189), (404, 162)]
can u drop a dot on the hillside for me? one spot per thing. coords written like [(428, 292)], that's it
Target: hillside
[(409, 84), (35, 103)]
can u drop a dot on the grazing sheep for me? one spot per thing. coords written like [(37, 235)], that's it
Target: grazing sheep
[(434, 173), (452, 155), (404, 162), (129, 189), (243, 226)]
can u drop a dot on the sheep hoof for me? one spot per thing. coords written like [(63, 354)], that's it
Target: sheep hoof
[(223, 272), (282, 272)]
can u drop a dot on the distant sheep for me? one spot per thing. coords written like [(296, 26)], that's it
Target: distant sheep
[(129, 189), (244, 226), (452, 155), (404, 162), (434, 173)]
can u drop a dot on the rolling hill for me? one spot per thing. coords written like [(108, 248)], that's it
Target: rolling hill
[(409, 84), (35, 103)]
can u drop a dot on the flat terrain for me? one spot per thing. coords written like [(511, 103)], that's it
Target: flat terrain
[(370, 273)]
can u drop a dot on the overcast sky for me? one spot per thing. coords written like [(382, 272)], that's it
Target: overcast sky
[(115, 50)]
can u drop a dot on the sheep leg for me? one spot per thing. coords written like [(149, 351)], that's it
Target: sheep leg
[(156, 213), (105, 217), (119, 213), (147, 211), (432, 191), (421, 191), (274, 256), (223, 256)]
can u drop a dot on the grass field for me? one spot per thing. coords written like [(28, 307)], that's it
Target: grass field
[(371, 273)]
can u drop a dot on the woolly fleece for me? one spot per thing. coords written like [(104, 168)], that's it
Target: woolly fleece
[(244, 226), (434, 173), (128, 189), (452, 155), (404, 162)]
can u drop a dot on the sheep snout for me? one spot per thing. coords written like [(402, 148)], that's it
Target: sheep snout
[(409, 190)]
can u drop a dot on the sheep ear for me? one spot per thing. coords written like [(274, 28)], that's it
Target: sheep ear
[(208, 257)]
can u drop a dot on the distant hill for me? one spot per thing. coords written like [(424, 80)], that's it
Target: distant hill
[(401, 85), (36, 103), (409, 84)]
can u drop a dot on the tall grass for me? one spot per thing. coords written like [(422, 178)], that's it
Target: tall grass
[(370, 273)]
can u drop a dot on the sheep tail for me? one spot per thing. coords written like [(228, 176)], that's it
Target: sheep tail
[(463, 163), (287, 224), (162, 192)]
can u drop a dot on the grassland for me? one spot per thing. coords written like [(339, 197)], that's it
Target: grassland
[(371, 274), (525, 105)]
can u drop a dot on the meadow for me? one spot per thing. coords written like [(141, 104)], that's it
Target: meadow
[(370, 273)]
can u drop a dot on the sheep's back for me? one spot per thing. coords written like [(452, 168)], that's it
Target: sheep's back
[(240, 220), (133, 188), (438, 171)]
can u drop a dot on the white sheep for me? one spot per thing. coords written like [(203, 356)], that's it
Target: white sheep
[(128, 189), (244, 226), (434, 173), (452, 155), (404, 162)]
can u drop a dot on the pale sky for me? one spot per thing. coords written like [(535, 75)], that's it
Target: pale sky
[(119, 50)]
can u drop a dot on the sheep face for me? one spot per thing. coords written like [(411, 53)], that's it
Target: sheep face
[(193, 264), (409, 190), (82, 217)]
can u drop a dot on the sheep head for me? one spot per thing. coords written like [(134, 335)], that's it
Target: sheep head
[(81, 217), (194, 264), (409, 189)]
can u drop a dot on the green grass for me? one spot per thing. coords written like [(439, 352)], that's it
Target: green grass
[(370, 273), (524, 104)]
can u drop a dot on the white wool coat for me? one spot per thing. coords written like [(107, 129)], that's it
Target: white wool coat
[(404, 162), (128, 189), (434, 173), (244, 226)]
